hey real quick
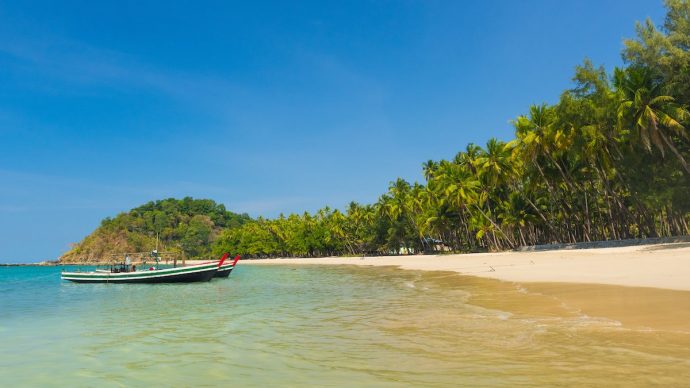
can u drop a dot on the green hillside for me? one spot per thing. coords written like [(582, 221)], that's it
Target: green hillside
[(186, 226)]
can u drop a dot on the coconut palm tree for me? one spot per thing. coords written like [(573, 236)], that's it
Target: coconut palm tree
[(428, 168), (495, 165), (653, 117)]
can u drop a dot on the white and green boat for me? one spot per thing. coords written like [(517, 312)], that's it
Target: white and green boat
[(126, 273)]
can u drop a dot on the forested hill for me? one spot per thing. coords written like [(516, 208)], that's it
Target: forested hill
[(186, 226)]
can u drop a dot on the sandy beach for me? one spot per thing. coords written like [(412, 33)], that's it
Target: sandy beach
[(664, 266)]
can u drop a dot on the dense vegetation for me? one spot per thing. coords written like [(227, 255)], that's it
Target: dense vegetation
[(185, 227), (608, 161)]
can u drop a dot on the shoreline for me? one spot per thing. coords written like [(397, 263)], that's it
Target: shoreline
[(39, 264), (664, 266)]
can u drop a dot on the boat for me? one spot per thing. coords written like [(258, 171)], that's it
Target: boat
[(225, 269), (126, 273)]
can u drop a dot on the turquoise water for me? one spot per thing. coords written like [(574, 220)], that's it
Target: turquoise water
[(323, 326)]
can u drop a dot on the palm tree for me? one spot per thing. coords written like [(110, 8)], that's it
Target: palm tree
[(468, 158), (495, 165), (429, 167), (655, 118), (532, 137)]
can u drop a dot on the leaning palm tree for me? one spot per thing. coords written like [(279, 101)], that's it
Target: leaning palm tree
[(429, 167), (533, 133), (654, 117), (495, 164)]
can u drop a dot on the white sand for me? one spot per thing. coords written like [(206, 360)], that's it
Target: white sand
[(661, 266)]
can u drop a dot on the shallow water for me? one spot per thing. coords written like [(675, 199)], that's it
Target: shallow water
[(339, 326)]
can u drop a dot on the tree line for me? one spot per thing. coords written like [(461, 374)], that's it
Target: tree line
[(608, 161)]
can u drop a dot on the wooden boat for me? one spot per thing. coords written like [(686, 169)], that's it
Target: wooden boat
[(225, 269), (124, 274)]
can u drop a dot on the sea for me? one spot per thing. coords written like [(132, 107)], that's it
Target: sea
[(296, 326)]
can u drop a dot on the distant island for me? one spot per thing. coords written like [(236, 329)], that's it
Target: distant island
[(186, 227), (608, 161)]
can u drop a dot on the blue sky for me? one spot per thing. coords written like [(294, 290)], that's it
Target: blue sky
[(267, 107)]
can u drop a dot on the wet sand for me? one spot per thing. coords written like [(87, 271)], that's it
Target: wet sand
[(634, 307), (643, 288)]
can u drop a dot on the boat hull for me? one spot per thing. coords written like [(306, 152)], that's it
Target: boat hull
[(225, 269), (202, 273), (223, 272)]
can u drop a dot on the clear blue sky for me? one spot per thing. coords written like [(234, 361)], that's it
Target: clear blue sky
[(266, 107)]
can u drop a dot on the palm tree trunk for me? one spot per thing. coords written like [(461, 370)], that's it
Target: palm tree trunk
[(675, 151)]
